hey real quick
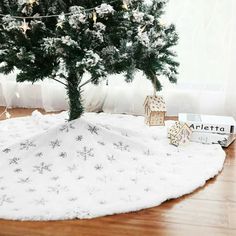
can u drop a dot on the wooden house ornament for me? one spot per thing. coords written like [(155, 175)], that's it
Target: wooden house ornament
[(179, 133), (155, 110)]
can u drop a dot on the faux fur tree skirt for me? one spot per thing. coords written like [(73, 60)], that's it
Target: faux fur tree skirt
[(98, 165)]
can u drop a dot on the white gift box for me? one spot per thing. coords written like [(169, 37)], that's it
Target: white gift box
[(210, 129), (213, 138)]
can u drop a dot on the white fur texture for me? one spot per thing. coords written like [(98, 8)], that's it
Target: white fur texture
[(98, 165)]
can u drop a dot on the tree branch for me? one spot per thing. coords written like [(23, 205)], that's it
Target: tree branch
[(59, 82), (88, 81)]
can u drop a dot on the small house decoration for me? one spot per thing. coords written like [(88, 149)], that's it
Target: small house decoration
[(155, 110), (179, 133)]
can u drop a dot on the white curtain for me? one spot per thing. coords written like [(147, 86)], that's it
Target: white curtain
[(206, 82)]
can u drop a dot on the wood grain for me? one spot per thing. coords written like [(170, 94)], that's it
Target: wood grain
[(210, 210)]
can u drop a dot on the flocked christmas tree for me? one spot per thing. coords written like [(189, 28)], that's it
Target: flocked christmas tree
[(63, 39)]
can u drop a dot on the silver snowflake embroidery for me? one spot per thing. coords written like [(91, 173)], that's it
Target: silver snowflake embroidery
[(72, 168), (155, 138), (124, 134), (102, 202), (14, 161), (42, 167), (98, 167), (91, 191), (111, 158), (6, 150), (57, 189), (73, 199), (147, 189), (86, 153), (31, 190), (135, 180), (101, 143), (39, 154), (147, 153), (67, 127), (27, 145), (121, 189), (121, 146), (23, 180), (143, 170), (63, 155), (80, 213), (93, 129), (55, 143), (40, 202), (79, 138), (5, 199), (80, 177), (55, 178), (18, 170)]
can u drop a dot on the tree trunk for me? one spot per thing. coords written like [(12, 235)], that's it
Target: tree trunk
[(74, 94)]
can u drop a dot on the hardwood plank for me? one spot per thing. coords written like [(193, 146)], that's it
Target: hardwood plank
[(109, 226), (228, 174), (231, 155), (216, 191), (19, 112)]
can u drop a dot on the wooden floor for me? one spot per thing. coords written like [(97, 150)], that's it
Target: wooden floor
[(210, 211)]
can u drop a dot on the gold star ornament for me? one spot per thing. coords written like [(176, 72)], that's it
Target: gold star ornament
[(25, 26), (94, 16), (31, 2), (125, 5)]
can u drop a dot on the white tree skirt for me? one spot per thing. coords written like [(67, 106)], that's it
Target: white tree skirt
[(98, 165)]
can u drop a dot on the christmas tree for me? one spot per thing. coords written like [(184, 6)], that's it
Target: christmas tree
[(64, 39)]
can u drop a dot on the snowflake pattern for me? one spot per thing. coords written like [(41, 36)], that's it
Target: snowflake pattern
[(6, 150), (66, 128), (79, 138), (42, 168), (86, 153), (40, 202), (72, 168), (55, 178), (5, 199), (39, 154), (93, 129), (147, 152), (31, 190), (2, 188), (80, 177), (101, 143), (18, 170), (121, 146), (63, 155), (44, 174), (23, 180), (57, 189), (98, 167), (111, 158), (27, 145), (55, 143), (14, 161)]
